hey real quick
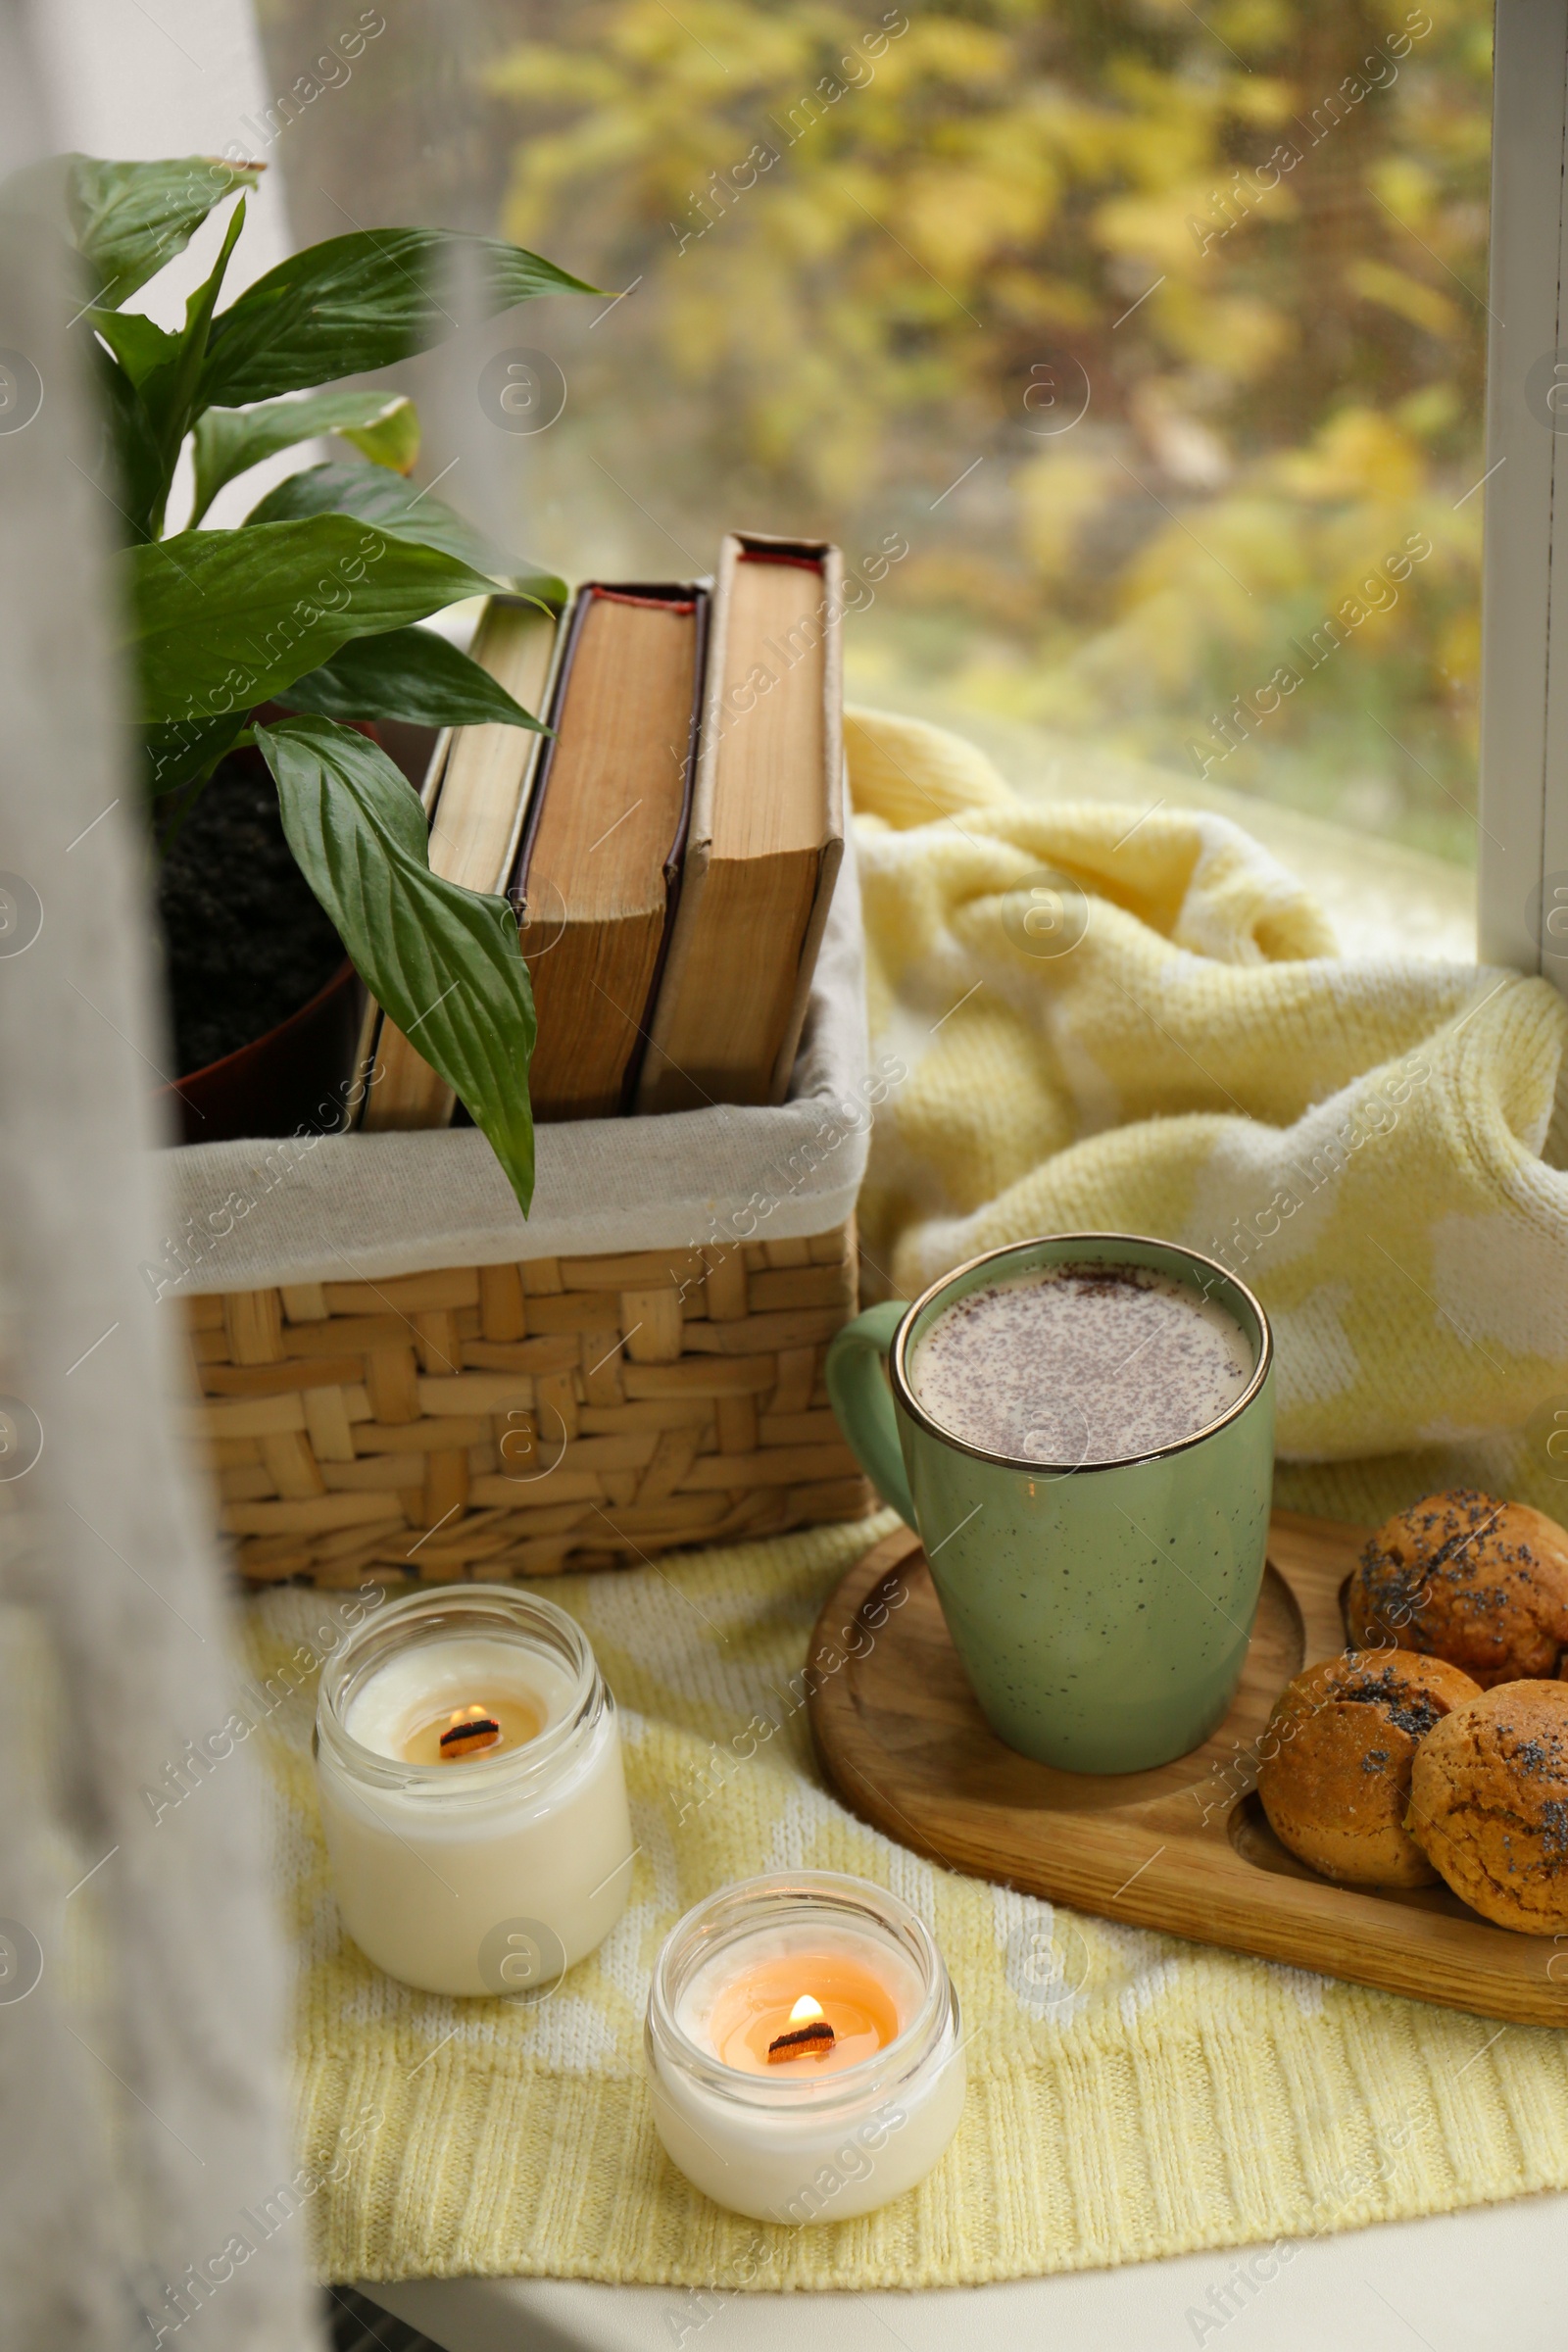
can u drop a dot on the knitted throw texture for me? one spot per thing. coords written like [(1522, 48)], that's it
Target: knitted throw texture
[(1107, 1020)]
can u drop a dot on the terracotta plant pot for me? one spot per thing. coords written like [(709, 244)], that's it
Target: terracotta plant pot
[(294, 1076)]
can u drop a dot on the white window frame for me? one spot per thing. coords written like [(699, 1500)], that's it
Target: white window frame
[(1522, 897)]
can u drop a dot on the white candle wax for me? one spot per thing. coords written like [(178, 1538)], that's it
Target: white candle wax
[(471, 1792), (804, 2051), (406, 1705)]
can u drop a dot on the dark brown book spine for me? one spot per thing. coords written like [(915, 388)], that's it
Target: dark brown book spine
[(688, 595)]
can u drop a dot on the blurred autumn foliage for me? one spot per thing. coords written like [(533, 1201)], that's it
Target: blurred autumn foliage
[(883, 258)]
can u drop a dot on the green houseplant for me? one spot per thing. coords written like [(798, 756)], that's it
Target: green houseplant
[(309, 604)]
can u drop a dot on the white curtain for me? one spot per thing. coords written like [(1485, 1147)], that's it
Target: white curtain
[(141, 1976)]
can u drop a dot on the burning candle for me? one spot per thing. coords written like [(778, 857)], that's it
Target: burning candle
[(803, 2047), (471, 1792)]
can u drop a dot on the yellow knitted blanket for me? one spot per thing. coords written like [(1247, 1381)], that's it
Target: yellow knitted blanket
[(1134, 1020), (1107, 1019)]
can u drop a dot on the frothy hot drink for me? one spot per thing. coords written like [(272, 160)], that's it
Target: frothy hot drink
[(1080, 1363)]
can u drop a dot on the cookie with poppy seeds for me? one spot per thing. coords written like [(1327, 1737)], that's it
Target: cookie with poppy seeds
[(1335, 1763), (1489, 1805), (1465, 1576)]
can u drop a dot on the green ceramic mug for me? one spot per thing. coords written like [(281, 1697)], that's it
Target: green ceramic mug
[(1102, 1613)]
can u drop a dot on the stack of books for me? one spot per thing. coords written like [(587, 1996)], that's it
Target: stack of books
[(670, 846)]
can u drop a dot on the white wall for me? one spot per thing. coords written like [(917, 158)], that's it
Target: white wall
[(171, 77)]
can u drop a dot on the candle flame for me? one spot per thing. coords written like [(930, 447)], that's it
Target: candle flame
[(459, 1715), (805, 2010)]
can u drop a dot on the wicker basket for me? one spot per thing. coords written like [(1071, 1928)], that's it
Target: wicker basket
[(504, 1420)]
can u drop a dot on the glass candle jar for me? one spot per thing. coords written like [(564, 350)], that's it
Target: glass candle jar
[(803, 2047), (472, 1791)]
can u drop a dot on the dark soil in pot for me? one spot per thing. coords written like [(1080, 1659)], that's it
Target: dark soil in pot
[(246, 943)]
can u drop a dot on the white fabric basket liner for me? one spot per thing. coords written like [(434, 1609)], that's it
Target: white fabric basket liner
[(324, 1208)]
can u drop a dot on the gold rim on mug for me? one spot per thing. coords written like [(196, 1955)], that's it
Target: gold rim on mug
[(1009, 1461)]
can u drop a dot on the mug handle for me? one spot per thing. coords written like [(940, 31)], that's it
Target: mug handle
[(863, 1402)]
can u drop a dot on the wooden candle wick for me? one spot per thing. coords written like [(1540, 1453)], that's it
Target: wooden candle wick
[(462, 1739), (818, 2037)]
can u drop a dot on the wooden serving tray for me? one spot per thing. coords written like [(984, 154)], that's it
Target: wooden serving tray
[(1185, 1848)]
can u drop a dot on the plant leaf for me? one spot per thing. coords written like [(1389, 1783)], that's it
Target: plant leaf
[(137, 461), (360, 302), (444, 962), (228, 441), (168, 394), (127, 219), (138, 344), (411, 674), (344, 487), (221, 619), (391, 440), (174, 755)]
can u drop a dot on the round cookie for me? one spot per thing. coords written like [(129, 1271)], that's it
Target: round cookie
[(1463, 1576), (1335, 1776), (1489, 1805)]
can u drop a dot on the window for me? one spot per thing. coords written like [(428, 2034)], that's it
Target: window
[(1135, 351)]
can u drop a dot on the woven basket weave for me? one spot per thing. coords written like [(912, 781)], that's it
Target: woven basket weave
[(494, 1421)]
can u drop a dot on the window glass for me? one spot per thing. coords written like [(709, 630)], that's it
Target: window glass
[(1132, 349)]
